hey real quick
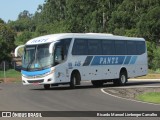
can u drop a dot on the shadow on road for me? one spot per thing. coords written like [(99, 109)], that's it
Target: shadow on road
[(66, 87)]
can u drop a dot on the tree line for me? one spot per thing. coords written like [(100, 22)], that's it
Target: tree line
[(137, 18)]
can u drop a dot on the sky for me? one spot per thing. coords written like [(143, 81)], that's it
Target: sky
[(10, 9)]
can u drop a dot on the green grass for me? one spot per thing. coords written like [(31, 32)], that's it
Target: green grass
[(157, 71), (152, 97), (11, 73)]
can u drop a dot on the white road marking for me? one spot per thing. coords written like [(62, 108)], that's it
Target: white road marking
[(128, 98)]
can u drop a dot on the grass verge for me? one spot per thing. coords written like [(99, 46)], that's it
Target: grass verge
[(152, 97), (11, 73), (150, 76)]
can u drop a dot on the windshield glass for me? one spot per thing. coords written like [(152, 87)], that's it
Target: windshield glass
[(37, 57)]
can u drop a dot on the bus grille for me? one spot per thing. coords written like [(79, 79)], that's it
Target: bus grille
[(35, 81)]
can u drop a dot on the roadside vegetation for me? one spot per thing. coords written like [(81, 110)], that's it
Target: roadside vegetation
[(151, 97), (123, 17), (152, 74), (119, 17), (11, 73)]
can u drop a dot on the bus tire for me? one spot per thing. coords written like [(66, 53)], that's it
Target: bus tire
[(75, 80), (122, 79), (47, 86), (97, 83)]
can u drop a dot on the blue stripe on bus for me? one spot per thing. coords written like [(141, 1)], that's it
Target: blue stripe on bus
[(133, 59), (87, 60), (127, 60), (108, 60), (35, 73)]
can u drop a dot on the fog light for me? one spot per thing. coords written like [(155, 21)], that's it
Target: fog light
[(49, 80), (23, 81)]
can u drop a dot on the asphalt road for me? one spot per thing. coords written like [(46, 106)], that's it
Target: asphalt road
[(16, 97)]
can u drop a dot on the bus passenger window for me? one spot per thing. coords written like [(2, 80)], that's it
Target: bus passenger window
[(59, 54)]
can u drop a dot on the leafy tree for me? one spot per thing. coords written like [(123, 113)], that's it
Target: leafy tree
[(53, 10), (24, 22), (25, 14), (6, 42), (151, 48), (125, 16), (1, 21), (149, 24), (156, 59), (23, 37)]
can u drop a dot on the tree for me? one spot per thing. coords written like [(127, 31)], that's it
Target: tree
[(149, 24), (53, 10), (1, 21), (23, 37), (25, 14), (6, 42), (156, 59), (23, 23), (125, 16)]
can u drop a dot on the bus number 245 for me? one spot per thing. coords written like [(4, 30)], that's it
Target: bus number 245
[(78, 63)]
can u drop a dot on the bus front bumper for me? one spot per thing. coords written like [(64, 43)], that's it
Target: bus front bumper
[(41, 81)]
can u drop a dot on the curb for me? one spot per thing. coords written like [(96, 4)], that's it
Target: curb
[(151, 80), (133, 100)]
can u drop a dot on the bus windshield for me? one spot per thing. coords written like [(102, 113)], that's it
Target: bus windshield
[(37, 57)]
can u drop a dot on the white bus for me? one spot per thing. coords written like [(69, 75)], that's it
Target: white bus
[(70, 58)]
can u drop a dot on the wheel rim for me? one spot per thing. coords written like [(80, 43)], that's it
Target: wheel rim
[(123, 78)]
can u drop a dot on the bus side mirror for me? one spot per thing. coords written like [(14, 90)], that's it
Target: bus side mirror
[(16, 52)]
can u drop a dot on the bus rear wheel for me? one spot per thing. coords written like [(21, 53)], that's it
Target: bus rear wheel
[(122, 79), (47, 86), (97, 83)]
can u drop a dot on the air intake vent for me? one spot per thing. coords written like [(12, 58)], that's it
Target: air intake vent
[(35, 81)]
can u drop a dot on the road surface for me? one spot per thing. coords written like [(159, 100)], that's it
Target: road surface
[(16, 97)]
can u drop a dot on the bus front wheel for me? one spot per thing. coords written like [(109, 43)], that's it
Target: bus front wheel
[(75, 80)]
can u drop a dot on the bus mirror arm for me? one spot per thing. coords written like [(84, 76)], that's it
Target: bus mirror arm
[(16, 50), (51, 48)]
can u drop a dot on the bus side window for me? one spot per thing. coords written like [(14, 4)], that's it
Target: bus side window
[(120, 46), (140, 47), (80, 47), (61, 50), (59, 53), (66, 44)]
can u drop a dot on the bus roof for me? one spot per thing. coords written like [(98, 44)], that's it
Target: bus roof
[(55, 37)]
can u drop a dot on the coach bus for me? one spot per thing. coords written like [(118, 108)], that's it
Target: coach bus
[(70, 58)]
